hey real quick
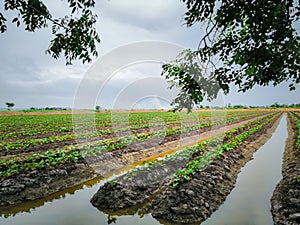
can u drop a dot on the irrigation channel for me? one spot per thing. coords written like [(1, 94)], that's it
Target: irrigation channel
[(248, 203)]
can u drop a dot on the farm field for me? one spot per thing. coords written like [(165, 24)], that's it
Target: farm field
[(41, 141), (165, 152)]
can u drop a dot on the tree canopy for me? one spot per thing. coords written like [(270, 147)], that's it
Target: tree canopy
[(254, 43), (75, 36)]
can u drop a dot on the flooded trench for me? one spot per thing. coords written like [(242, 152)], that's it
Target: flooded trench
[(248, 203), (71, 208)]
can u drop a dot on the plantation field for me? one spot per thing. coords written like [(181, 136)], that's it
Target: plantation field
[(166, 154), (30, 142), (176, 169)]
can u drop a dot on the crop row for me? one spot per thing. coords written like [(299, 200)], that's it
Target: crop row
[(190, 152), (38, 161), (52, 158), (33, 125), (114, 142), (144, 181), (29, 125), (198, 164), (25, 143), (121, 142)]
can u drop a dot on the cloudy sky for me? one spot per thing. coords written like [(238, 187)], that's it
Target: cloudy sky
[(29, 78)]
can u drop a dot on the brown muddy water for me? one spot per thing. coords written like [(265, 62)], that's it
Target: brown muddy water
[(248, 203)]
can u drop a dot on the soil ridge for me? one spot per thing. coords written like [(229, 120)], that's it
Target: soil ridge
[(195, 201)]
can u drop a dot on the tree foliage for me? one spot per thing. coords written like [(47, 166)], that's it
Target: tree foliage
[(75, 36), (184, 74), (97, 108), (254, 42)]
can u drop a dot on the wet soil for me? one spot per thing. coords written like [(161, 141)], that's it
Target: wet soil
[(115, 160), (195, 201), (41, 183), (141, 184), (134, 189), (286, 197)]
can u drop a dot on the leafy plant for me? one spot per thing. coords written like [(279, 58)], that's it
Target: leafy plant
[(195, 166), (112, 182)]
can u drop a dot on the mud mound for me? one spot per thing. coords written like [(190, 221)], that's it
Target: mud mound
[(195, 201), (40, 183), (135, 188)]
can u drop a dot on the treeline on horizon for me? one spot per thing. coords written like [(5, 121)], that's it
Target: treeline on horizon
[(228, 106), (274, 105)]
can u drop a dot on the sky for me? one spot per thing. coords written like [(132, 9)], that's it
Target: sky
[(30, 78)]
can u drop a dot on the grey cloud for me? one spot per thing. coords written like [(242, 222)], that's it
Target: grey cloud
[(28, 77), (151, 15)]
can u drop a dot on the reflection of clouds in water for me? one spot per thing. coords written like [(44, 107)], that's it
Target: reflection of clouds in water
[(249, 201)]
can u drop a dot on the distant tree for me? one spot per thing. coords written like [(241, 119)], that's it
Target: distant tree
[(10, 105), (295, 105), (240, 107), (97, 108), (275, 105)]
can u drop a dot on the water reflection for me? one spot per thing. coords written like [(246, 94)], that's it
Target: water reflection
[(11, 211), (74, 209), (249, 202)]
